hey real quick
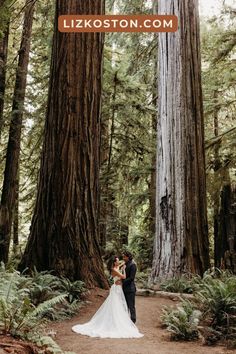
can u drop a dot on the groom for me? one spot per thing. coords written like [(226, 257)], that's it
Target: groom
[(129, 287)]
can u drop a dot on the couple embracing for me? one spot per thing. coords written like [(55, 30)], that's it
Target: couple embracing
[(117, 315)]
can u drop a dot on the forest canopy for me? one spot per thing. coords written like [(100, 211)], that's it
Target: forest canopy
[(97, 191)]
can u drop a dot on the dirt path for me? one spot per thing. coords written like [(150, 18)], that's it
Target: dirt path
[(155, 340)]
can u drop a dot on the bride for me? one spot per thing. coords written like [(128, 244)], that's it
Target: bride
[(112, 319)]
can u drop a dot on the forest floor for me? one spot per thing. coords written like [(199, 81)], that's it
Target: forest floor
[(16, 346), (156, 340)]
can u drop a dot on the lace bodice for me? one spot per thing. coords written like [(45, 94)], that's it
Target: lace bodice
[(115, 278)]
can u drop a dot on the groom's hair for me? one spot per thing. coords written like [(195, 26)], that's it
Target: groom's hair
[(128, 254)]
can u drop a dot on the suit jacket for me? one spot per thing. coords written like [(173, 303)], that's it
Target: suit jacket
[(128, 283)]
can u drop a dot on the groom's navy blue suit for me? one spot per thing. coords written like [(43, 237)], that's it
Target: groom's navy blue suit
[(129, 288)]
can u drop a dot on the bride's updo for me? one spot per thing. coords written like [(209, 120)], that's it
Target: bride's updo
[(110, 263)]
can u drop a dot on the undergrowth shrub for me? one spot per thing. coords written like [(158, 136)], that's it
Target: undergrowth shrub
[(28, 303), (213, 304), (215, 296), (142, 279), (182, 322), (177, 285), (74, 290)]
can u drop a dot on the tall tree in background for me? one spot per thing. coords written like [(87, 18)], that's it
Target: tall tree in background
[(4, 35), (64, 231), (181, 242), (225, 244), (128, 109), (3, 62), (218, 48), (10, 183)]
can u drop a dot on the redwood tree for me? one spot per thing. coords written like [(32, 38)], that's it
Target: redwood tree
[(64, 230), (225, 242), (181, 242), (3, 61), (10, 183)]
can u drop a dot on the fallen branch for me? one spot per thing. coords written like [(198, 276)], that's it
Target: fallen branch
[(163, 294)]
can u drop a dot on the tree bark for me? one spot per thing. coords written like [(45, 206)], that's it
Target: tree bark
[(64, 230), (104, 182), (13, 149), (226, 242), (181, 242), (218, 181), (152, 187), (3, 63), (16, 219), (106, 156), (2, 3)]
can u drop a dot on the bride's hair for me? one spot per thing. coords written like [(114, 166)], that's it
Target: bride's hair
[(110, 263)]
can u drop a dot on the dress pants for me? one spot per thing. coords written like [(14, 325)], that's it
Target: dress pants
[(130, 299)]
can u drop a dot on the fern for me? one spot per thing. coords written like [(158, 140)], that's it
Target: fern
[(64, 312), (73, 289), (48, 344), (217, 299), (20, 313), (177, 285), (46, 305), (34, 316), (182, 322), (26, 303)]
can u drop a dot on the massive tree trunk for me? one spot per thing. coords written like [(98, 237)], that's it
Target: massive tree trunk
[(181, 242), (64, 231), (13, 149)]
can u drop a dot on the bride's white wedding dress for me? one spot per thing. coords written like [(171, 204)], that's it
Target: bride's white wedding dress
[(112, 319)]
